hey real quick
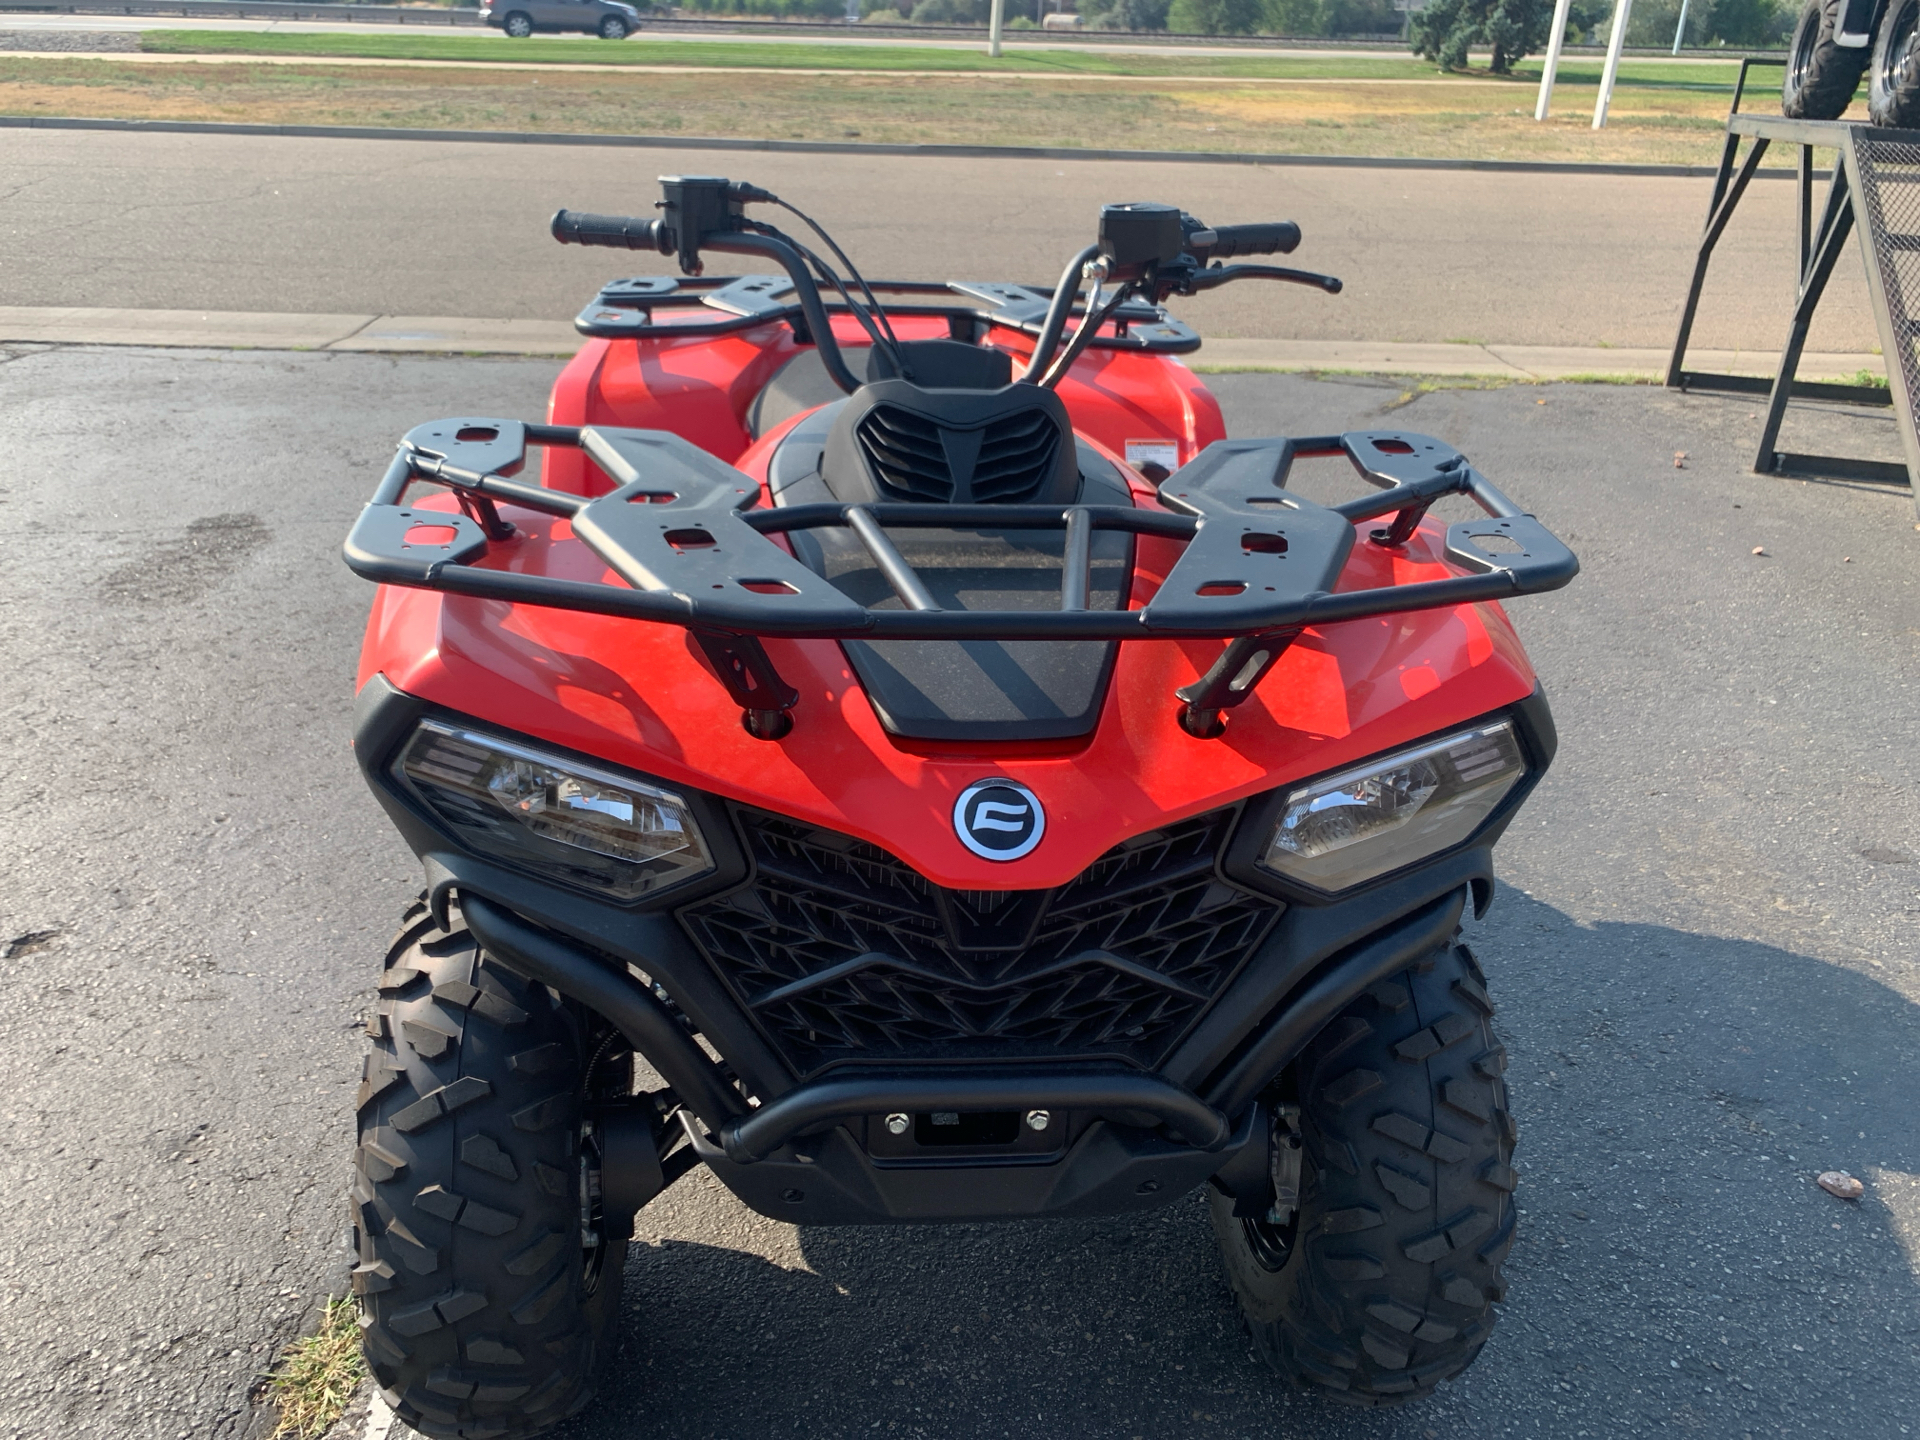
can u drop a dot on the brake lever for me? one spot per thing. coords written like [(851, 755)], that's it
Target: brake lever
[(1215, 276)]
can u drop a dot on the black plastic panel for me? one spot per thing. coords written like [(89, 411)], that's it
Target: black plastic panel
[(971, 690)]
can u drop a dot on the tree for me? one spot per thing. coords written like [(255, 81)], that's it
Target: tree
[(1214, 17), (1446, 29), (1754, 23), (1124, 14), (1295, 17)]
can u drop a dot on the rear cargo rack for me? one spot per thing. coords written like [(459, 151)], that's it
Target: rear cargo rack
[(723, 304), (679, 529)]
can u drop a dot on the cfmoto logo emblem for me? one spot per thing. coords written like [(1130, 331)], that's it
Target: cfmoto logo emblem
[(999, 819)]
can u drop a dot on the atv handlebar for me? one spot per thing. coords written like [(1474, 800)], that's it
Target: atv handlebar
[(616, 232), (626, 232), (1228, 241), (1151, 250)]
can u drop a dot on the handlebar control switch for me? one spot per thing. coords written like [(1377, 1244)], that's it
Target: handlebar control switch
[(695, 206), (1137, 235)]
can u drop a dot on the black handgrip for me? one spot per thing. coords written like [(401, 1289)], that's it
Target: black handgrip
[(616, 232), (1231, 240)]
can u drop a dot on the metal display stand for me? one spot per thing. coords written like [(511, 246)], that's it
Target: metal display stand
[(1875, 179)]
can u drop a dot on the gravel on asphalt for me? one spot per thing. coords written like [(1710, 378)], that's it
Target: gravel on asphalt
[(82, 42)]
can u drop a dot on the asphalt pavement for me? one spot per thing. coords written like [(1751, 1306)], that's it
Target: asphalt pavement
[(403, 227), (1704, 954)]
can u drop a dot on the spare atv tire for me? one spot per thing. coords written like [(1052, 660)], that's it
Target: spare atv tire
[(1893, 75), (488, 1283), (1382, 1283), (1821, 74)]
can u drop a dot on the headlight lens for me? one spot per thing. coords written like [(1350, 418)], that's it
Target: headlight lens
[(553, 816), (1351, 827)]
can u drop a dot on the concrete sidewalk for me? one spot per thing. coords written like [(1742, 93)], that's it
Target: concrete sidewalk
[(439, 335)]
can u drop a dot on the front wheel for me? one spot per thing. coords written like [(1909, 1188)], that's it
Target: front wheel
[(1821, 74), (613, 28), (1893, 75), (1381, 1284), (488, 1279), (519, 25)]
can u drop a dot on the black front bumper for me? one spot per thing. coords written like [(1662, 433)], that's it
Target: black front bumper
[(1110, 1170), (1138, 1136)]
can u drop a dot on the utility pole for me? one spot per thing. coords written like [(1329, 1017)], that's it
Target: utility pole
[(1681, 28), (993, 29)]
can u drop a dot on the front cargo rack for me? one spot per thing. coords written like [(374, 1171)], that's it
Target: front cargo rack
[(681, 530)]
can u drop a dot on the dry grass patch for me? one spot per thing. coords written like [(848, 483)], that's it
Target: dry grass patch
[(317, 1375), (1663, 124)]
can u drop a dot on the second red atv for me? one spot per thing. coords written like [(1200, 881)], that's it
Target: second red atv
[(910, 762)]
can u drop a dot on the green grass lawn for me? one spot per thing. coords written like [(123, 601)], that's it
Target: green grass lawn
[(1707, 75)]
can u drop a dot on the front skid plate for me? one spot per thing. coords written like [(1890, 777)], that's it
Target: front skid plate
[(1111, 1170)]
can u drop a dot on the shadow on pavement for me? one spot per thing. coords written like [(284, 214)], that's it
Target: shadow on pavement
[(1676, 1265)]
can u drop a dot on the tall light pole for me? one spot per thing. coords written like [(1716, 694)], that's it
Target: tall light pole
[(1681, 28), (1621, 11), (1553, 58), (993, 28)]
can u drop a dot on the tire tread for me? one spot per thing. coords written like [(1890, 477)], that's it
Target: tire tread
[(1417, 1169), (475, 1318)]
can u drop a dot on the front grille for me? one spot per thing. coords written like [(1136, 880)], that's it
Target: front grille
[(842, 952), (907, 451)]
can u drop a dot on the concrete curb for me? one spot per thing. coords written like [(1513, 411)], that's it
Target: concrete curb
[(841, 147), (250, 330), (1526, 363), (450, 335)]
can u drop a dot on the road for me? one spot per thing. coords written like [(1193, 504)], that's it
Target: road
[(437, 228), (1014, 40), (1705, 955), (655, 30)]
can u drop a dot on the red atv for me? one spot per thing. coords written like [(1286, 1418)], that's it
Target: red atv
[(978, 790)]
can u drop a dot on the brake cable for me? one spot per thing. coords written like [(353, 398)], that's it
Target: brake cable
[(852, 270), (827, 273), (1092, 319), (885, 342)]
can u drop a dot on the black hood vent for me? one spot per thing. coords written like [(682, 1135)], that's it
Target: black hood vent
[(907, 454), (898, 441), (1016, 456)]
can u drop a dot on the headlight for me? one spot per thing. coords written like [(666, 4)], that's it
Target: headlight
[(1350, 827), (553, 816)]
